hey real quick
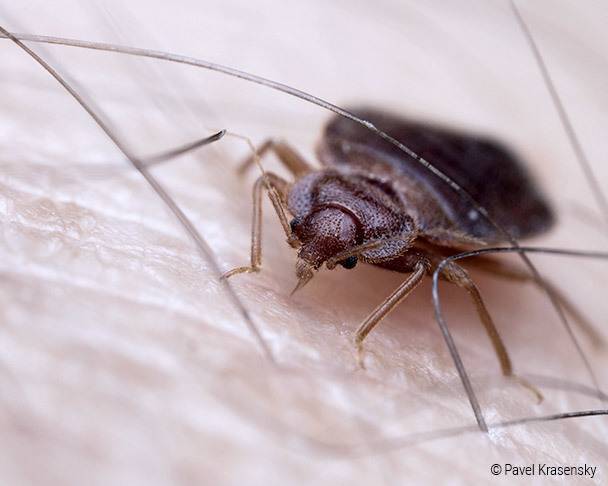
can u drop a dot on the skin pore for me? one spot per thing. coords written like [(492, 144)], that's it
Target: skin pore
[(122, 357)]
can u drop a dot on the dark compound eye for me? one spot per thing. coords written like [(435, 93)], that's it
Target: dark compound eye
[(350, 262), (293, 223)]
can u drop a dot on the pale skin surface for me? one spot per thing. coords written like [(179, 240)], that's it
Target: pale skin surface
[(122, 359)]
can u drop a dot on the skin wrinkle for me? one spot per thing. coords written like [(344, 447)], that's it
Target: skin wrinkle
[(398, 392)]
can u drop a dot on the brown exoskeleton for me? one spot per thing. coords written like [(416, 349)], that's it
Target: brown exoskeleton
[(372, 203)]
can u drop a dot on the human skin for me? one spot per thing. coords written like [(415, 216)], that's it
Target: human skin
[(123, 359)]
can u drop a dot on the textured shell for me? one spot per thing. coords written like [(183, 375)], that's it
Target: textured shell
[(485, 169)]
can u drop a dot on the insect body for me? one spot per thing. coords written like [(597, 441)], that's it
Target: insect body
[(372, 203)]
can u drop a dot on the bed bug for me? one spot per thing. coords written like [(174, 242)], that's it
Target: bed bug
[(371, 203), (351, 260)]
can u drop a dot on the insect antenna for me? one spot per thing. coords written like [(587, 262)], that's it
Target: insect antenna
[(200, 243)]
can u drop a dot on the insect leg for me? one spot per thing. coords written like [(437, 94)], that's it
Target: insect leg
[(277, 192), (291, 159), (455, 274), (387, 306), (503, 270)]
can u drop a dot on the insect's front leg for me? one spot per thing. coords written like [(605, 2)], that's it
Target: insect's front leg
[(276, 188), (389, 304)]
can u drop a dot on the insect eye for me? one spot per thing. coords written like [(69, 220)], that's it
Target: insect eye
[(293, 223), (350, 262)]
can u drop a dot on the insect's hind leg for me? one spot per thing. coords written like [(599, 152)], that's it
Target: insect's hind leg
[(457, 275), (289, 157), (276, 188), (508, 272)]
